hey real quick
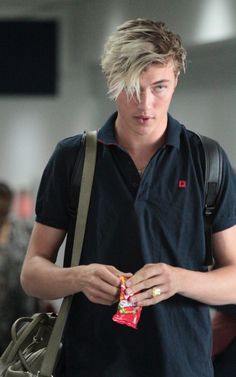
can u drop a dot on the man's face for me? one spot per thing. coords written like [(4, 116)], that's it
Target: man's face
[(148, 115)]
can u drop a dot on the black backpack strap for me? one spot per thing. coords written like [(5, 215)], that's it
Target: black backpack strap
[(213, 177)]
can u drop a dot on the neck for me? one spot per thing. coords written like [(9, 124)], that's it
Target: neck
[(135, 141), (141, 148)]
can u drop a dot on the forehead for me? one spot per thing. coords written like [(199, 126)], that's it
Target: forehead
[(157, 72)]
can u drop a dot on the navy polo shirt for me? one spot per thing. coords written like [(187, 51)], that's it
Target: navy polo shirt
[(133, 221)]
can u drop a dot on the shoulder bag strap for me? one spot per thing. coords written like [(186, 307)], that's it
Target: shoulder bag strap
[(83, 206)]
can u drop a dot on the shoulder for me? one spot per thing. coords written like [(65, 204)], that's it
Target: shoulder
[(193, 141), (68, 146), (198, 140), (180, 136), (64, 156), (208, 151), (70, 142), (192, 137), (53, 198), (203, 146), (210, 147)]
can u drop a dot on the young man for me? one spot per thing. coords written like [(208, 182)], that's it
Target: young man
[(145, 219)]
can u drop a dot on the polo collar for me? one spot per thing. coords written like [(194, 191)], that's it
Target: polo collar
[(106, 134), (173, 132)]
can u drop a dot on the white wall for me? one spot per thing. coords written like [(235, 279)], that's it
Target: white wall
[(205, 100)]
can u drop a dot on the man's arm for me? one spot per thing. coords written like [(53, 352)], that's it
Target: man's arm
[(218, 286), (215, 287), (40, 277)]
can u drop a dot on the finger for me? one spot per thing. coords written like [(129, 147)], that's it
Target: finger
[(120, 273), (150, 297), (102, 299), (110, 275), (100, 285), (102, 291), (144, 285), (146, 272), (127, 274)]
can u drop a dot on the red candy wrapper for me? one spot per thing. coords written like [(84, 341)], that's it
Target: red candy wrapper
[(127, 313)]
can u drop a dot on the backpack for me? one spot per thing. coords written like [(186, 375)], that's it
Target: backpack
[(213, 179)]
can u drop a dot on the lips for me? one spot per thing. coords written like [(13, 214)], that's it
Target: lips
[(143, 118)]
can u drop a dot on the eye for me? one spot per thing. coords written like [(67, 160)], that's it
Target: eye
[(158, 88)]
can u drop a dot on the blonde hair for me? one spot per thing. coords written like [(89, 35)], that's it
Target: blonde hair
[(133, 47)]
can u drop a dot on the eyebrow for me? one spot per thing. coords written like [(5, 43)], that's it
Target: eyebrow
[(160, 82), (163, 81)]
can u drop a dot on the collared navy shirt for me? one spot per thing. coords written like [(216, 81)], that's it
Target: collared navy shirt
[(133, 221)]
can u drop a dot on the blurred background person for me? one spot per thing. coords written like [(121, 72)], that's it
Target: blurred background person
[(224, 340), (14, 237)]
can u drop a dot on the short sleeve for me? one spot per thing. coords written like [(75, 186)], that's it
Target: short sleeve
[(52, 204), (225, 216)]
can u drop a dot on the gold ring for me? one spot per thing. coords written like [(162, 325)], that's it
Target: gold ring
[(156, 291)]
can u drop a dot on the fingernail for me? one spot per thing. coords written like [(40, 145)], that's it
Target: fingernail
[(129, 291), (133, 300)]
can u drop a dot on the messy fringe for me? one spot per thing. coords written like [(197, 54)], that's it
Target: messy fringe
[(132, 48)]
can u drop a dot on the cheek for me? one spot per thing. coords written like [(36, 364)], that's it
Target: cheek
[(163, 101), (126, 105), (166, 99)]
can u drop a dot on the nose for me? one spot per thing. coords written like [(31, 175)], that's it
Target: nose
[(145, 100)]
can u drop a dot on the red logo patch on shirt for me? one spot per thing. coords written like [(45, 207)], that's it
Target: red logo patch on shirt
[(182, 183)]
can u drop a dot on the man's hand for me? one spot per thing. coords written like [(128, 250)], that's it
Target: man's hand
[(159, 279), (100, 283)]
